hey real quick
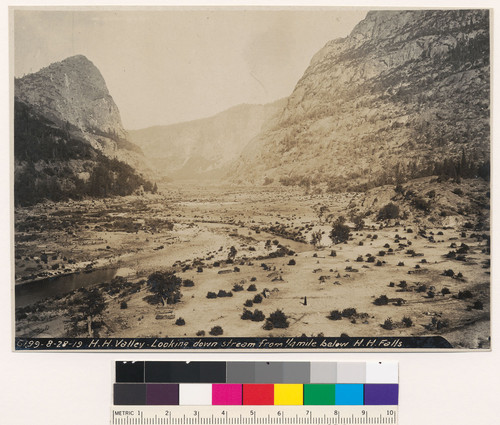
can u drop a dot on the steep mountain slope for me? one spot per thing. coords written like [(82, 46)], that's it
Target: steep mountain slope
[(68, 138), (406, 94), (203, 147)]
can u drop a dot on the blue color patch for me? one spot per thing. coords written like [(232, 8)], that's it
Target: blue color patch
[(349, 394)]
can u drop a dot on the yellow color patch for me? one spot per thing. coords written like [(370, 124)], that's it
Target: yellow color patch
[(288, 394)]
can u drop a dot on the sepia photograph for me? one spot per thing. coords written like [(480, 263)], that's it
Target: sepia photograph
[(250, 178)]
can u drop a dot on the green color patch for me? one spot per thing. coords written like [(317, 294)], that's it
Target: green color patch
[(319, 394)]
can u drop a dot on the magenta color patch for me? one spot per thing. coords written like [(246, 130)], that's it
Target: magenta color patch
[(227, 394)]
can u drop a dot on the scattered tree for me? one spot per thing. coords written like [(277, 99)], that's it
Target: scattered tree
[(340, 232), (166, 287), (389, 211), (88, 307)]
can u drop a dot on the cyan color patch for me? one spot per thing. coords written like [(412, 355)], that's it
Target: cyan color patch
[(349, 394)]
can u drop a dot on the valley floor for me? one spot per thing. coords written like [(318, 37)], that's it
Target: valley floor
[(190, 230)]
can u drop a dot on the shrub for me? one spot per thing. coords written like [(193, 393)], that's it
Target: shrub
[(180, 322), (252, 288), (478, 305), (463, 295), (222, 294), (359, 259), (291, 262), (200, 333), (449, 273), (442, 324), (348, 312), (188, 283), (123, 305), (430, 294), (407, 322), (211, 295), (370, 259), (445, 291), (389, 211), (422, 204), (378, 263), (216, 331), (21, 315), (401, 264), (258, 316), (382, 300), (237, 287), (257, 299), (278, 319), (422, 288), (253, 279), (381, 253), (246, 315), (333, 253), (248, 303), (335, 315), (388, 324)]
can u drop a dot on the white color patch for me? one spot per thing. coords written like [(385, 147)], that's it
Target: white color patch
[(195, 394), (382, 373)]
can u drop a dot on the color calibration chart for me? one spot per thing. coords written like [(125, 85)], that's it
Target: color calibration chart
[(267, 393)]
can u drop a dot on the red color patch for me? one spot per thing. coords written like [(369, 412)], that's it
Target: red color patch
[(258, 394)]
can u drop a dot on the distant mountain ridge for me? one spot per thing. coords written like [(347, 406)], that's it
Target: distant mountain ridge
[(69, 140), (203, 148), (405, 92)]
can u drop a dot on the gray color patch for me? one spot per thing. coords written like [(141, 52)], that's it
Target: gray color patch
[(268, 372), (351, 373), (240, 372), (324, 373), (296, 372)]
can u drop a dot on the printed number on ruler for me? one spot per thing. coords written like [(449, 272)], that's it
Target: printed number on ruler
[(253, 415)]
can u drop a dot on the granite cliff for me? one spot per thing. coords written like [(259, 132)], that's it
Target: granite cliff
[(405, 95), (69, 141)]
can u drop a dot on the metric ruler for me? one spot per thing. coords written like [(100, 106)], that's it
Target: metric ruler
[(253, 415)]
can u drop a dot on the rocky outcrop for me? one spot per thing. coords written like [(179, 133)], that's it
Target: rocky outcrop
[(404, 91), (69, 141), (73, 92)]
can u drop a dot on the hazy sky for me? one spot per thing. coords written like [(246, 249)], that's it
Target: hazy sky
[(166, 66)]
